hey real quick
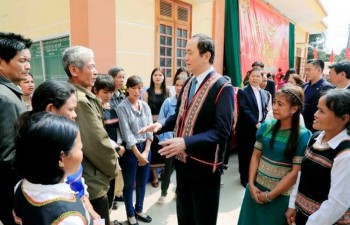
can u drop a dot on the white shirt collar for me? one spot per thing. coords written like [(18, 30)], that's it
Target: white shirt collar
[(335, 141), (53, 188), (255, 88), (202, 76)]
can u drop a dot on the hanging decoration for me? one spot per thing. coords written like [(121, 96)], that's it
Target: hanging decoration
[(264, 36)]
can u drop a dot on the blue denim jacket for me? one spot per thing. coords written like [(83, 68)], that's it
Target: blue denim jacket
[(168, 108)]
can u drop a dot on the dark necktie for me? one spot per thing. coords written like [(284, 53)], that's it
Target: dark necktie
[(193, 89)]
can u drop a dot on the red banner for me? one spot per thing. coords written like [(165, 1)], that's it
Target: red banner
[(264, 36)]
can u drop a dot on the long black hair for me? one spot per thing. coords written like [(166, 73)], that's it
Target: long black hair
[(178, 71), (51, 91), (295, 97), (151, 90)]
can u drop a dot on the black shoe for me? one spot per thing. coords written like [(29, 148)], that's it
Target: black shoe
[(115, 205), (116, 222), (119, 198), (143, 217)]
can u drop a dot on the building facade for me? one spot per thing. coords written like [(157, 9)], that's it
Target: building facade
[(138, 35)]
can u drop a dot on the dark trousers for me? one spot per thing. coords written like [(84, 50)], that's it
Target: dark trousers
[(101, 206), (245, 148), (227, 151), (197, 201), (110, 193), (9, 180), (133, 172), (168, 170)]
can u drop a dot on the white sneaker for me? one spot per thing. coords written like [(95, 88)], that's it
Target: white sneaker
[(161, 200)]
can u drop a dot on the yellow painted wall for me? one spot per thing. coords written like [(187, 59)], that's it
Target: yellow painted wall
[(202, 17), (135, 37), (135, 26), (300, 34), (35, 19), (136, 33), (135, 52), (301, 39)]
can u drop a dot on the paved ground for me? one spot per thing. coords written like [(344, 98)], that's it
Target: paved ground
[(230, 201)]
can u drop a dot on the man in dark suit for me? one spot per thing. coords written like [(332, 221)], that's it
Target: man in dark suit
[(313, 90), (339, 75), (270, 86), (252, 104), (202, 125)]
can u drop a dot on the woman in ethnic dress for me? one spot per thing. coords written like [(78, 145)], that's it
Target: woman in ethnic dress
[(322, 195), (48, 150), (279, 149), (59, 97)]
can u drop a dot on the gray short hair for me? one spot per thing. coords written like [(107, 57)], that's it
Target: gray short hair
[(77, 56)]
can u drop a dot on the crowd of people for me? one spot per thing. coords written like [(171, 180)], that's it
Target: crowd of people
[(70, 150)]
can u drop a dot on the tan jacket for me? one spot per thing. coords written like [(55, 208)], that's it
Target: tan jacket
[(100, 162)]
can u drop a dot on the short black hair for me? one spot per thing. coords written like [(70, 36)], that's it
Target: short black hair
[(40, 140), (338, 101), (259, 64), (11, 43), (341, 67), (317, 63), (103, 82), (205, 44)]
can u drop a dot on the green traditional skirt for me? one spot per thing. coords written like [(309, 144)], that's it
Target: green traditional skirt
[(271, 213)]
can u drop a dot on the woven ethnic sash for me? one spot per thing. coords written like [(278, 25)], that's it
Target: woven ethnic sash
[(188, 114)]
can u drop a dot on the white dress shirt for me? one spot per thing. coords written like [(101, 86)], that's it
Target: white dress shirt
[(258, 100), (200, 78)]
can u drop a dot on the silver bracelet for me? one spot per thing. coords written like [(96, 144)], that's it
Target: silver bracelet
[(267, 197)]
